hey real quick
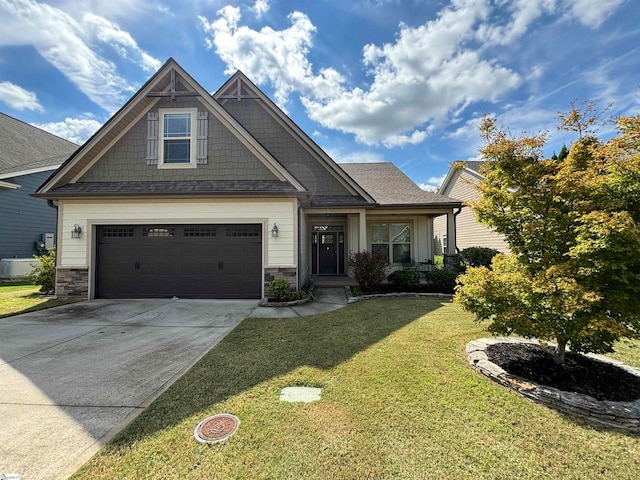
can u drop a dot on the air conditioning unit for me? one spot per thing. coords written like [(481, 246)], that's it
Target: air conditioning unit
[(16, 268)]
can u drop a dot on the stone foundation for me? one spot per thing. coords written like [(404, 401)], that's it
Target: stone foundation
[(451, 262), (624, 415), (72, 282), (289, 274)]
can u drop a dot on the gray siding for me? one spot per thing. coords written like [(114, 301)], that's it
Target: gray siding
[(23, 219), (285, 148), (228, 158)]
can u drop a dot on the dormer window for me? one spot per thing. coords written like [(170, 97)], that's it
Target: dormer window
[(178, 138)]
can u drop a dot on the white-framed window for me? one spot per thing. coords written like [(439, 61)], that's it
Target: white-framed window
[(177, 146), (392, 240)]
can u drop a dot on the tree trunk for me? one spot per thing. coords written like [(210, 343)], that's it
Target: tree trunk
[(559, 353)]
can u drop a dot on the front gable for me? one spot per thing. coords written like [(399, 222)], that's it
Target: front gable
[(122, 151), (287, 142), (220, 155)]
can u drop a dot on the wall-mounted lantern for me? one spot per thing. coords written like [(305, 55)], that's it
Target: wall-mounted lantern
[(274, 230), (77, 231)]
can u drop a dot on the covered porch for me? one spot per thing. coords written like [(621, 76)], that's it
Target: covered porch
[(404, 235)]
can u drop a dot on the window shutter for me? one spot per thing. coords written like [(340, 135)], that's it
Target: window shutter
[(152, 138), (203, 130)]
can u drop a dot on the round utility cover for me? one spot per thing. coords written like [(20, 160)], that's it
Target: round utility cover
[(217, 428)]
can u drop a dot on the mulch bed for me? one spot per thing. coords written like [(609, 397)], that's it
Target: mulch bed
[(580, 374)]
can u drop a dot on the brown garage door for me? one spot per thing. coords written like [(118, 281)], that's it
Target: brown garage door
[(187, 261)]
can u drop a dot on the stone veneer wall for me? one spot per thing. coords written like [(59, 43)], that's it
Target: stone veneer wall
[(72, 282), (290, 274), (624, 415)]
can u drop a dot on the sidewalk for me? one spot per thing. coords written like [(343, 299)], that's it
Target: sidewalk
[(327, 299)]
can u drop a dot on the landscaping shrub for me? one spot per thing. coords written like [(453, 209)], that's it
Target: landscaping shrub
[(369, 268), (478, 256), (442, 280), (44, 272), (280, 290), (405, 280)]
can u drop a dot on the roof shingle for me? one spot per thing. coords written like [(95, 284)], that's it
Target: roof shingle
[(25, 147), (389, 186), (191, 187)]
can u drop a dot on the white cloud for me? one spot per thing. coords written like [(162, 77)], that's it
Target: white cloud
[(342, 156), (427, 77), (277, 57), (110, 33), (261, 7), (417, 80), (592, 13), (76, 130), (70, 46), (18, 98), (523, 13), (433, 183)]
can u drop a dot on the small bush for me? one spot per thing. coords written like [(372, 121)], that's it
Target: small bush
[(44, 272), (369, 268), (405, 280), (280, 290), (442, 280), (478, 256)]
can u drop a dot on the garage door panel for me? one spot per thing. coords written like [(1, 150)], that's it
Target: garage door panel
[(190, 261)]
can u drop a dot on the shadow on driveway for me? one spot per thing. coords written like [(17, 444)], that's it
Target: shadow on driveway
[(70, 376)]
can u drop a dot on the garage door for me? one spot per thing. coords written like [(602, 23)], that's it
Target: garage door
[(187, 261)]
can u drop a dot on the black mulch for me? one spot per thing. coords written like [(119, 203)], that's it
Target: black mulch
[(580, 374)]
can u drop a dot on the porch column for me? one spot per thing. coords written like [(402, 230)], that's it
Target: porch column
[(362, 230), (451, 234), (451, 259)]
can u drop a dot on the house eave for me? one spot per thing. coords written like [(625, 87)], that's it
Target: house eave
[(20, 173), (177, 195)]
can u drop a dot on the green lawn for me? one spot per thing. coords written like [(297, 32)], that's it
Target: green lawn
[(399, 401), (22, 297)]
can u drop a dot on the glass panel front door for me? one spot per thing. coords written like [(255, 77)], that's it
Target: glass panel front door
[(328, 253)]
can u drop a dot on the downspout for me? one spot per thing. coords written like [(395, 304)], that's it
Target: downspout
[(455, 227)]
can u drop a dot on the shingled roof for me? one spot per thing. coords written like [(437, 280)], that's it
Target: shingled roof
[(389, 186), (473, 165), (187, 187), (24, 147)]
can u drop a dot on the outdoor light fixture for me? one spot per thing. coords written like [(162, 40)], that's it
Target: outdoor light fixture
[(77, 231), (274, 230)]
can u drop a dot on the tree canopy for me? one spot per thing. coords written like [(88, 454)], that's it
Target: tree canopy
[(573, 227)]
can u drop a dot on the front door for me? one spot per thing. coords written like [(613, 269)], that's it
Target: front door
[(328, 253), (327, 250)]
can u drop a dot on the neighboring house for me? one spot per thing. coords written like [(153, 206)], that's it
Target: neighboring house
[(213, 196), (462, 182), (28, 156)]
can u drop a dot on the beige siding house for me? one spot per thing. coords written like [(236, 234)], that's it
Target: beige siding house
[(183, 193), (461, 183)]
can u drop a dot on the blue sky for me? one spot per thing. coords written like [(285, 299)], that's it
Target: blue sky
[(369, 80)]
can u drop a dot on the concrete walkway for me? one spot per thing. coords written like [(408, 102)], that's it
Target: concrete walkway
[(326, 300)]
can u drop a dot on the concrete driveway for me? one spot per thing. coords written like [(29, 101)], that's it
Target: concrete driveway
[(71, 377)]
